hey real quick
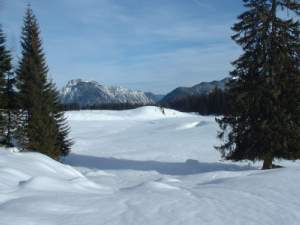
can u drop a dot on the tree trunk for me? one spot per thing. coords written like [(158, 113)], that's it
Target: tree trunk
[(267, 163)]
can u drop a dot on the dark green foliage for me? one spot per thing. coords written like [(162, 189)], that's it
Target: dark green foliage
[(263, 122), (63, 143), (107, 106), (7, 95), (5, 62), (10, 109), (42, 125), (215, 103)]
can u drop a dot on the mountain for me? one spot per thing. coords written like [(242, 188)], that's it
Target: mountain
[(89, 93), (154, 97), (204, 88)]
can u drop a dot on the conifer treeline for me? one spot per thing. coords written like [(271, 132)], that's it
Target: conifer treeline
[(263, 122), (31, 115), (107, 106), (214, 103)]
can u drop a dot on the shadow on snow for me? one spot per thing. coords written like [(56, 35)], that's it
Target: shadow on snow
[(188, 167)]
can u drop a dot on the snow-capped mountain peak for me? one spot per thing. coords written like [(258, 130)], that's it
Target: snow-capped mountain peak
[(89, 93)]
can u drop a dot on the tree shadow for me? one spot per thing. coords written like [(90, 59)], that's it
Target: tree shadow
[(188, 167)]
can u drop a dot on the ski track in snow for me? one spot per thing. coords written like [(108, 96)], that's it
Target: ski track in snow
[(143, 167)]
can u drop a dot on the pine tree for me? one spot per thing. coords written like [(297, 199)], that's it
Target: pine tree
[(263, 121), (42, 126), (10, 109), (63, 143), (7, 93)]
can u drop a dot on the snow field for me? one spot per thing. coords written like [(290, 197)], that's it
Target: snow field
[(143, 167)]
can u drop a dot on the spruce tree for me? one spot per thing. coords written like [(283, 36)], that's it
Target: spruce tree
[(7, 94), (10, 109), (63, 142), (263, 122), (42, 126)]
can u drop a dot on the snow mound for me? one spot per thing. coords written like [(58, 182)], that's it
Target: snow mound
[(52, 184), (142, 113), (192, 125), (38, 172)]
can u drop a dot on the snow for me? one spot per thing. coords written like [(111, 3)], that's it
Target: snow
[(142, 113), (91, 93), (143, 167)]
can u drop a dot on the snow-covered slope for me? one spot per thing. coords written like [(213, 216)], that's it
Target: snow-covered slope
[(89, 93), (33, 171), (143, 167), (143, 113)]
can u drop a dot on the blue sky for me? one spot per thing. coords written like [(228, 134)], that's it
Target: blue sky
[(152, 45)]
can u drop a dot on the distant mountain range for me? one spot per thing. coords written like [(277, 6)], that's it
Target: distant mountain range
[(203, 88), (90, 93)]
